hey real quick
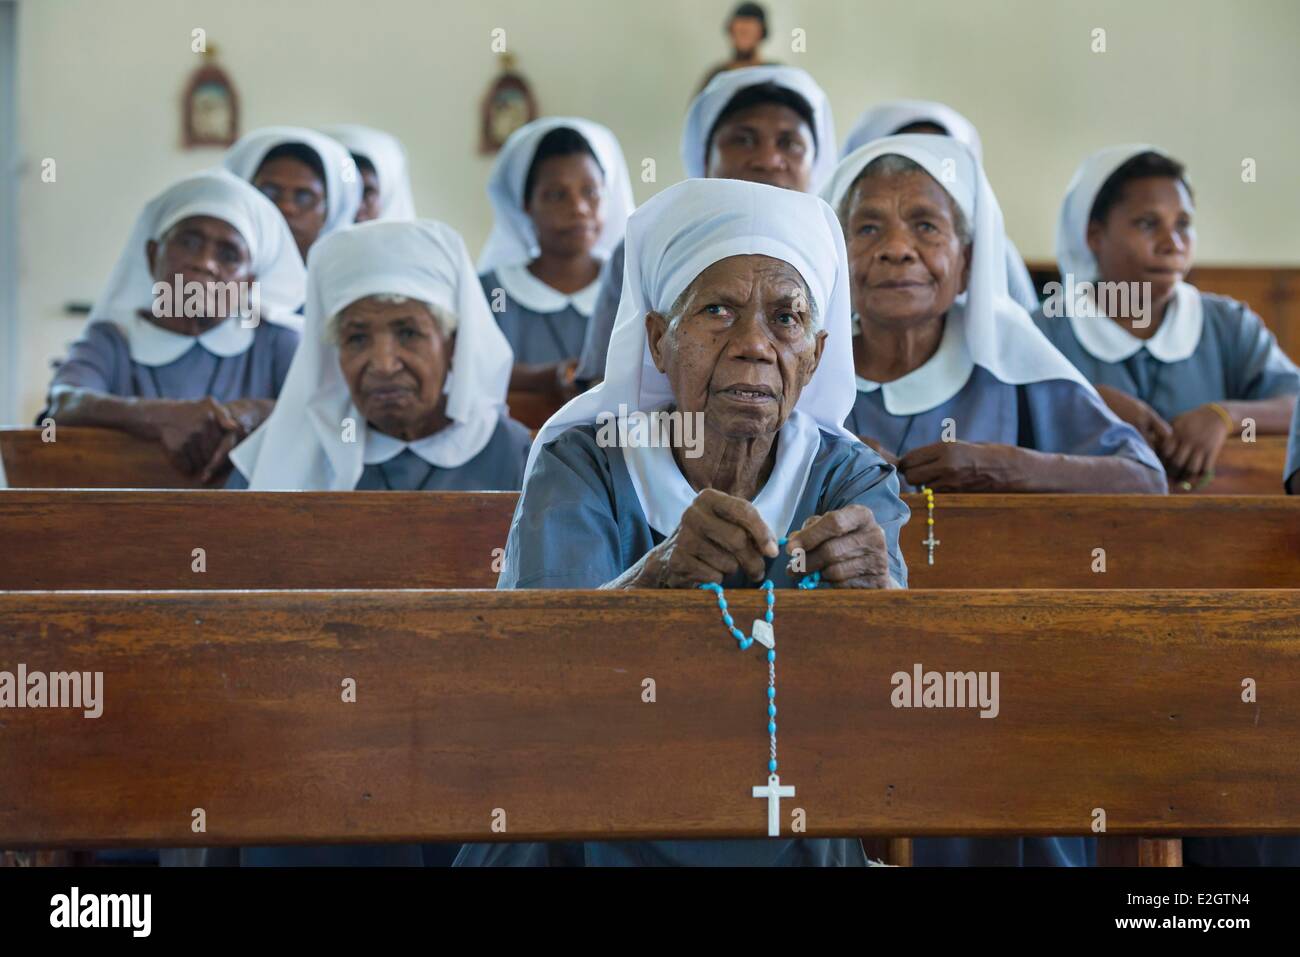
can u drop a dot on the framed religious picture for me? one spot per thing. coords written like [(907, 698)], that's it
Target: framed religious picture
[(509, 104), (210, 106)]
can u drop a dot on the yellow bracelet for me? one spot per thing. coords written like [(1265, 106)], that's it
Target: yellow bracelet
[(1227, 417)]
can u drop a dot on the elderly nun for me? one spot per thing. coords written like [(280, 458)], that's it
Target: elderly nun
[(955, 384), (381, 161), (561, 196), (400, 383), (1186, 368), (191, 340), (926, 116), (311, 178), (762, 124), (735, 313)]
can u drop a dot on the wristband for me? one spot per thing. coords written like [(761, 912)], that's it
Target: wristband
[(1227, 418)]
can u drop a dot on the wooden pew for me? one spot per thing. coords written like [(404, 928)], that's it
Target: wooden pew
[(88, 458), (1247, 468), (531, 408), (470, 704), (62, 540), (103, 458)]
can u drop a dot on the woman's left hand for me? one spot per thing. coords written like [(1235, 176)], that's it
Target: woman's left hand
[(962, 467), (1192, 448), (847, 546)]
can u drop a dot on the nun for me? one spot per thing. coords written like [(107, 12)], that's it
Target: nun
[(762, 124), (311, 178), (381, 161), (560, 196), (1185, 368), (400, 383), (735, 313), (190, 342), (926, 116), (955, 385)]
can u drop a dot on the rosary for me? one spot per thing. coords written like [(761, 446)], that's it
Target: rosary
[(763, 633), (931, 541)]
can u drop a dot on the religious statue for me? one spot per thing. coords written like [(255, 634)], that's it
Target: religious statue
[(747, 29)]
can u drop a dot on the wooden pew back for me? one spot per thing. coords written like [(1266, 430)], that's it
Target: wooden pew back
[(533, 704), (102, 458), (61, 540)]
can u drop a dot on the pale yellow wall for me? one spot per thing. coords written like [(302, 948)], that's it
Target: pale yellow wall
[(100, 81)]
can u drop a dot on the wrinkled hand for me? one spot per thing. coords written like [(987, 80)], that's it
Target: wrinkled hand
[(879, 449), (248, 415), (1138, 414), (719, 535), (847, 546), (1193, 445), (192, 431), (962, 466)]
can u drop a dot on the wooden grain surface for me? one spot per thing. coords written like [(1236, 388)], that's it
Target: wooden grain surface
[(531, 702), (63, 539), (101, 458)]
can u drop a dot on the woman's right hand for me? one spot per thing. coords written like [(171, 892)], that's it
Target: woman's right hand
[(719, 535), (1137, 414), (192, 430)]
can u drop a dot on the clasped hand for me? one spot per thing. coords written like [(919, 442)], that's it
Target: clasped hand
[(720, 535)]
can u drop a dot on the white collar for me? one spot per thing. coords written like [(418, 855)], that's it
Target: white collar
[(152, 345), (665, 494), (531, 293), (443, 449), (1176, 339), (934, 381)]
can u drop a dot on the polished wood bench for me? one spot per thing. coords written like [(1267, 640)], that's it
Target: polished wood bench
[(529, 709), (102, 458), (65, 539)]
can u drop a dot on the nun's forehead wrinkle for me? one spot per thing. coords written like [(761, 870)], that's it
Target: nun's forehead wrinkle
[(895, 166)]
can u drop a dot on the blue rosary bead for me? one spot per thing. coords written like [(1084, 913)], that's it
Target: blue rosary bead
[(771, 692), (771, 710), (771, 765), (728, 620), (771, 654), (767, 616), (771, 727)]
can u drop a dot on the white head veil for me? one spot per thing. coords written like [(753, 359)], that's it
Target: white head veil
[(302, 444), (387, 155), (1072, 253), (1179, 333), (1000, 336), (343, 184), (513, 240), (886, 119), (713, 99), (275, 262), (672, 239)]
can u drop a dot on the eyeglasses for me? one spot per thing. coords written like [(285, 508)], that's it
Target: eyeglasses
[(303, 199)]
